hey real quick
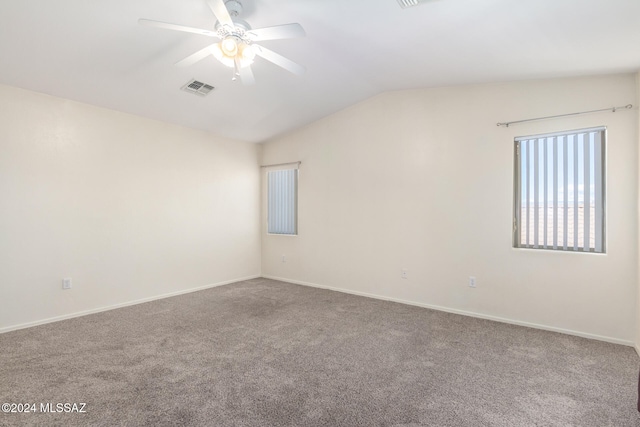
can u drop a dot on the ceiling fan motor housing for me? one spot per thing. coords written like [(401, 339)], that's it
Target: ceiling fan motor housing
[(234, 7)]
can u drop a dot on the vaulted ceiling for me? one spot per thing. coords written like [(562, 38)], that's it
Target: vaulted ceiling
[(96, 52)]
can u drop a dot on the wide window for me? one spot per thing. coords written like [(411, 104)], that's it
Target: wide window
[(559, 191), (282, 205)]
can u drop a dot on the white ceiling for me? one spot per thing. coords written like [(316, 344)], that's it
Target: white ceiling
[(95, 52)]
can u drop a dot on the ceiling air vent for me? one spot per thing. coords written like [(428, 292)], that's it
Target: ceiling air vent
[(197, 88), (408, 3)]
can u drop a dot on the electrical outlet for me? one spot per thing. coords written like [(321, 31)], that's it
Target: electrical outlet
[(404, 274), (472, 282), (66, 283)]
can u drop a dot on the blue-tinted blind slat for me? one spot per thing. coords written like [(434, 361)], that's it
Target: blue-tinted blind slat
[(282, 188), (560, 191)]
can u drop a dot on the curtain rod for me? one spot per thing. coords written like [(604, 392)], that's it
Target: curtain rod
[(282, 164), (612, 109)]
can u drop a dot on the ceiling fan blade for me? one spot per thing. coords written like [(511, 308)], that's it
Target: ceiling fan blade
[(246, 75), (220, 11), (176, 27), (286, 31), (279, 60), (195, 57)]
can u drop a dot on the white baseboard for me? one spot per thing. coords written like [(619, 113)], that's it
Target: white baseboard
[(124, 304), (464, 313)]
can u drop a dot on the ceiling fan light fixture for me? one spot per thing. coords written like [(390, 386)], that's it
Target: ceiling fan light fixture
[(229, 46), (217, 52), (247, 54), (243, 52)]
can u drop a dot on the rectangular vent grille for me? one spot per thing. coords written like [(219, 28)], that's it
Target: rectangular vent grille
[(408, 3), (197, 88)]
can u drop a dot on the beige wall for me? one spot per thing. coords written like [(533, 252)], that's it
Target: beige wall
[(129, 208), (133, 209), (423, 180)]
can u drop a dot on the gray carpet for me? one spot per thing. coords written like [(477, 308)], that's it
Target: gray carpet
[(267, 353)]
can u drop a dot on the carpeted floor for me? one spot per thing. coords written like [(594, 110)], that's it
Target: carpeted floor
[(267, 353)]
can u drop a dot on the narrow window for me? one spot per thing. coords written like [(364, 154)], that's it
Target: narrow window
[(282, 210), (559, 191)]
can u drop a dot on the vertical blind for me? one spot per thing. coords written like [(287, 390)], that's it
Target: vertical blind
[(282, 191), (559, 200)]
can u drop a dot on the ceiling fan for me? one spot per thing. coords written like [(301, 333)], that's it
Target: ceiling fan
[(237, 48)]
